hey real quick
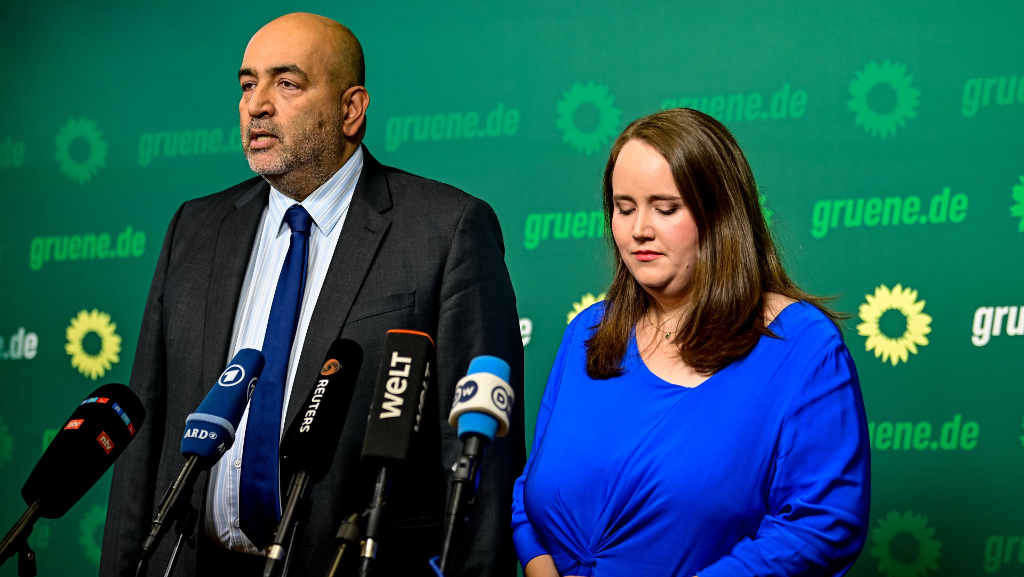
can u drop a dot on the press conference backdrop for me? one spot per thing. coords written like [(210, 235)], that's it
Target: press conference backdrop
[(885, 137)]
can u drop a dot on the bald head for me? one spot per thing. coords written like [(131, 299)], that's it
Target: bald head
[(303, 104), (326, 42)]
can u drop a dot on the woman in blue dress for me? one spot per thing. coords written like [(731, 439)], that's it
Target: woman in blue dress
[(706, 418)]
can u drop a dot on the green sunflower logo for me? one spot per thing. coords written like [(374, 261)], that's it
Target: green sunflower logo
[(40, 537), (93, 365), (905, 545), (90, 533), (891, 75), (6, 444), (48, 436), (590, 139), (900, 306), (1018, 208), (581, 305), (81, 170)]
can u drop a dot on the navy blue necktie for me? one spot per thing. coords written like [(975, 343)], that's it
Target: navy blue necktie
[(259, 499)]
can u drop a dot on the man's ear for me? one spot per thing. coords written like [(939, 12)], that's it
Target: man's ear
[(354, 103)]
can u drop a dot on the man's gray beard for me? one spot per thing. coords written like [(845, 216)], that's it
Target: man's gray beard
[(280, 165), (290, 157)]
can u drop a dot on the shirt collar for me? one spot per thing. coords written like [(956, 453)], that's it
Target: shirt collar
[(328, 203)]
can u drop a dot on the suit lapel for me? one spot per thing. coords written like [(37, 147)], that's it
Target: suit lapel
[(361, 234), (237, 232)]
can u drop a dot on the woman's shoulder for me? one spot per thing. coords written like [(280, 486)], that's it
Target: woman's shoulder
[(583, 324), (589, 316), (799, 321)]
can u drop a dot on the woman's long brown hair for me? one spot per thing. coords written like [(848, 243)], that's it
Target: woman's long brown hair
[(737, 263)]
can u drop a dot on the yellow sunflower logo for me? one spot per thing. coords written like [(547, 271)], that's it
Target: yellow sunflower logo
[(905, 545), (894, 346), (91, 365), (584, 302)]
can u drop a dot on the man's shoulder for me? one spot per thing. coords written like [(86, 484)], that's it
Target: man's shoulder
[(433, 195), (229, 196), (207, 210)]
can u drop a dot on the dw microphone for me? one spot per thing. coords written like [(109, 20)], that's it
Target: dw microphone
[(394, 419), (209, 432), (481, 410), (309, 443)]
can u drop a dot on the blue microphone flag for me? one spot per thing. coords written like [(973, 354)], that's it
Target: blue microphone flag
[(210, 430)]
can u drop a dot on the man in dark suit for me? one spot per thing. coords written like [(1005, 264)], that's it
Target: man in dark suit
[(388, 250)]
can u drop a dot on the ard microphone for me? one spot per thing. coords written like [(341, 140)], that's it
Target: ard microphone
[(309, 443), (394, 419), (92, 438), (209, 432), (481, 410)]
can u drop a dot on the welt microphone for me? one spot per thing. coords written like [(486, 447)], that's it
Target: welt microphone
[(394, 419), (92, 438), (309, 443), (209, 432), (481, 410)]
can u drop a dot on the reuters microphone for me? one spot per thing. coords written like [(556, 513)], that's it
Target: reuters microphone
[(209, 432), (394, 420), (309, 443), (92, 438), (481, 411)]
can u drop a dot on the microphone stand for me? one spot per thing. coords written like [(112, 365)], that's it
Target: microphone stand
[(348, 535), (369, 554), (170, 510), (463, 474), (186, 525), (288, 556), (276, 553), (16, 540)]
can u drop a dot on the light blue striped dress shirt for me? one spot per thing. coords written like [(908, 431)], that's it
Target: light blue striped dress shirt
[(328, 205)]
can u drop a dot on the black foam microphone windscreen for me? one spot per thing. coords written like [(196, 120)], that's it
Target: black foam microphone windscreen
[(398, 399), (309, 443), (90, 441)]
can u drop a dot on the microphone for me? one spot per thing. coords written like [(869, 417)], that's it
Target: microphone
[(481, 410), (92, 438), (394, 419), (309, 443), (209, 432)]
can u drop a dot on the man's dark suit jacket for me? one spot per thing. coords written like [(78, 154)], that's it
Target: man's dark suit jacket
[(413, 254)]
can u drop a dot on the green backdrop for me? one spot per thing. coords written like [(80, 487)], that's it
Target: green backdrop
[(885, 138)]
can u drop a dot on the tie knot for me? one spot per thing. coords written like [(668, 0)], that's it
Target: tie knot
[(298, 219)]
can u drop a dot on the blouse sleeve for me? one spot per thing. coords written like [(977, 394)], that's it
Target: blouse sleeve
[(820, 484), (524, 536)]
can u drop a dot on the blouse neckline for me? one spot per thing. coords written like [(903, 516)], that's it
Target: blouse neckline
[(634, 350)]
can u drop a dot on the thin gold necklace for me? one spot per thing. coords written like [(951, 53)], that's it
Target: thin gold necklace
[(660, 328)]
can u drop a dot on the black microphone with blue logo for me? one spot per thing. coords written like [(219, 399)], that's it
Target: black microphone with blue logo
[(209, 432), (481, 410)]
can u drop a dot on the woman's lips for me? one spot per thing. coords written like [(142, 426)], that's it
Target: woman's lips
[(646, 255)]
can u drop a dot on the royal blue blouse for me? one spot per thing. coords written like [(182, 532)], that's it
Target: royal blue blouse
[(761, 470)]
